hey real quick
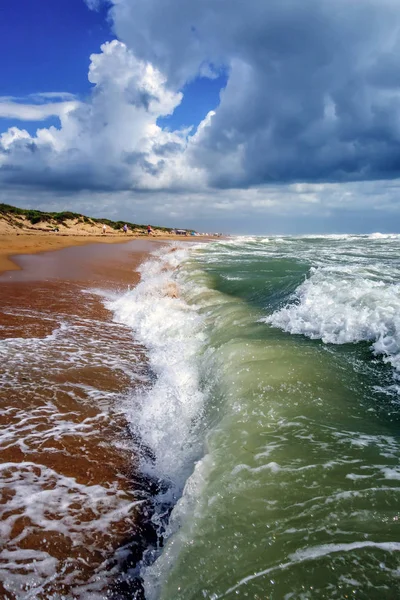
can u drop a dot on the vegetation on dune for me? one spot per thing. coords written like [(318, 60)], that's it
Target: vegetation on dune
[(37, 216)]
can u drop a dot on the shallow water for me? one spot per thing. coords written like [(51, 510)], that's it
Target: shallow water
[(70, 503)]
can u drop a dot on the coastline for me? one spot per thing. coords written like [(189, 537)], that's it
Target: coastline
[(13, 244), (64, 380)]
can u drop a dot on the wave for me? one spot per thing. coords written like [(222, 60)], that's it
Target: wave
[(383, 236), (339, 306), (209, 424), (164, 416)]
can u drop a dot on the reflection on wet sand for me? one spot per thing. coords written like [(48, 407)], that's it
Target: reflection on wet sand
[(70, 504)]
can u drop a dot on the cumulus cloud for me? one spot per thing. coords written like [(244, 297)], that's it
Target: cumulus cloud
[(313, 92), (312, 99), (110, 142), (13, 108)]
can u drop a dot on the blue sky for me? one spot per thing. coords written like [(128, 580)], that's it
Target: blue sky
[(259, 116), (48, 43), (199, 96)]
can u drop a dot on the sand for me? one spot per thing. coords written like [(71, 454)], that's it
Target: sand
[(84, 437), (31, 243), (47, 280)]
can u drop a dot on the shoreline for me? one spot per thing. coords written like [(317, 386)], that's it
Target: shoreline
[(84, 438), (87, 367), (14, 245)]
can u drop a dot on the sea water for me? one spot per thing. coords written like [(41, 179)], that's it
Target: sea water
[(271, 420)]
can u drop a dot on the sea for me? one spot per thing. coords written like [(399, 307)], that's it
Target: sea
[(262, 417)]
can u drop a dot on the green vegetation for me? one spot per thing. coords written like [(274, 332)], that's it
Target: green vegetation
[(37, 216)]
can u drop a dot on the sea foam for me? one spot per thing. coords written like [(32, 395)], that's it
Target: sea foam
[(164, 416), (342, 306)]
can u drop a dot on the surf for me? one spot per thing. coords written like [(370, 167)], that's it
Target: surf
[(265, 441)]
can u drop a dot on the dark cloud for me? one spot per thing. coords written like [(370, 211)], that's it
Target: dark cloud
[(167, 149), (313, 92), (312, 101), (39, 177)]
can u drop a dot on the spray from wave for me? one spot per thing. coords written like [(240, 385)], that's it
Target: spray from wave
[(165, 414), (343, 306)]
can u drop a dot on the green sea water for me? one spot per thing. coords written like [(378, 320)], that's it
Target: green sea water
[(294, 487)]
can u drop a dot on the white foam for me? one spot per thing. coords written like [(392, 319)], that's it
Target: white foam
[(383, 236), (315, 552), (165, 415), (391, 473), (239, 240), (49, 521), (232, 278), (329, 236), (38, 428), (344, 305), (50, 502)]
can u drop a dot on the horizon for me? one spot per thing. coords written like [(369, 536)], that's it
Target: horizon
[(239, 234), (272, 118)]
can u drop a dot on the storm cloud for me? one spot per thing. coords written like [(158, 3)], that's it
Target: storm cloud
[(313, 91), (312, 99)]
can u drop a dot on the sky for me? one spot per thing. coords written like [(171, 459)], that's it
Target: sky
[(264, 116)]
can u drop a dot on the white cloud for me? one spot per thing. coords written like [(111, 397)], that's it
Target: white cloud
[(35, 112), (112, 141), (93, 4), (306, 101), (41, 97)]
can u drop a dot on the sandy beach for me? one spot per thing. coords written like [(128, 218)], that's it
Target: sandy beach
[(12, 244), (65, 450)]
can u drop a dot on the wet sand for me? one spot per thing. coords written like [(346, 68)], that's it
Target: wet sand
[(14, 244), (69, 503), (32, 243)]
